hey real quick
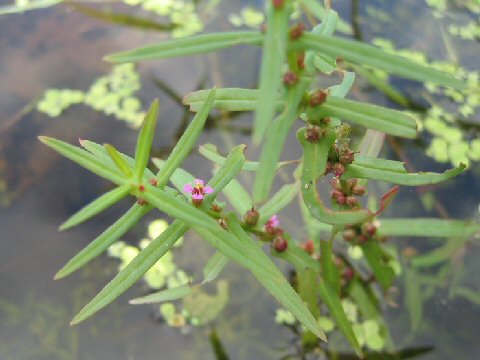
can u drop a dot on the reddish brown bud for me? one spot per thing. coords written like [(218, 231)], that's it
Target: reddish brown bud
[(290, 78), (197, 202), (351, 183), (368, 229), (215, 207), (336, 193), (329, 167), (280, 244), (141, 188), (278, 4), (314, 133), (153, 182), (341, 200), (141, 202), (349, 235), (223, 223), (301, 61), (297, 31), (338, 169), (308, 247), (251, 217), (358, 190), (348, 273), (351, 201), (325, 120), (347, 157), (317, 98), (362, 239)]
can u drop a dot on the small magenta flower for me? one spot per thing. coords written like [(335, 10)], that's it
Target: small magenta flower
[(271, 225), (198, 191)]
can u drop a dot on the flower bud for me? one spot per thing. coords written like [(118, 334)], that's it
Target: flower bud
[(338, 169), (251, 217), (215, 207), (223, 223), (351, 201), (348, 273), (347, 157), (278, 4), (308, 247), (368, 229), (314, 133), (280, 244), (297, 31), (359, 190), (153, 182), (290, 78), (349, 235), (318, 98)]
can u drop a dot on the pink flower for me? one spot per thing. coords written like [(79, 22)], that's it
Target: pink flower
[(271, 225), (198, 191)]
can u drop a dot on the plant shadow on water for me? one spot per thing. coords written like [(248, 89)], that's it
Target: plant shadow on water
[(40, 191)]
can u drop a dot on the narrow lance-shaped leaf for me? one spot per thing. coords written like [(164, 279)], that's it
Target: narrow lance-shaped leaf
[(273, 57), (375, 117), (193, 45), (278, 202), (163, 295), (330, 271), (427, 227), (377, 259), (440, 254), (275, 140), (104, 240), (331, 298), (214, 267), (379, 169), (211, 153), (85, 159), (118, 160), (413, 298), (273, 279), (144, 142), (133, 271), (314, 165), (96, 206), (186, 142), (364, 54)]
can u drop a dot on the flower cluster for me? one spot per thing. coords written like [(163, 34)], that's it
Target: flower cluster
[(271, 227), (198, 191)]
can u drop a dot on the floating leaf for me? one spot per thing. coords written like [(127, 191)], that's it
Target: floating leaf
[(164, 295), (193, 45), (96, 206)]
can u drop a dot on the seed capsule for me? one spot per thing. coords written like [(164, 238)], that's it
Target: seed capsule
[(251, 217)]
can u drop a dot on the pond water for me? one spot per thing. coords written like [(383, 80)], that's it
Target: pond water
[(61, 48)]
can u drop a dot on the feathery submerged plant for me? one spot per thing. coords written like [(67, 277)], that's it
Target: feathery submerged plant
[(328, 281)]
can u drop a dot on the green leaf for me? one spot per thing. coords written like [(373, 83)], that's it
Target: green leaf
[(364, 54), (211, 153), (104, 240), (96, 206), (469, 294), (439, 254), (122, 19), (271, 278), (133, 271), (367, 115), (315, 8), (228, 99), (194, 45), (118, 160), (377, 258), (314, 164), (186, 142), (298, 257), (214, 267), (394, 172), (163, 295), (331, 298), (427, 227), (84, 158), (330, 271), (278, 202), (275, 140), (238, 197), (144, 142), (413, 298), (270, 78), (342, 89)]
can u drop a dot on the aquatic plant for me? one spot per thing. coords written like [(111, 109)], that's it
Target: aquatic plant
[(342, 281)]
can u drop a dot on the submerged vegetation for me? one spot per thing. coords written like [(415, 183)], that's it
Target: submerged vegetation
[(343, 264)]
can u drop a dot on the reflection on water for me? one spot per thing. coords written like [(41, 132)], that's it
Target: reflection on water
[(57, 48)]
